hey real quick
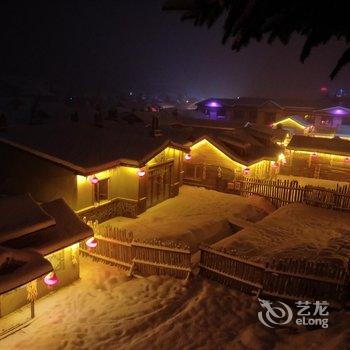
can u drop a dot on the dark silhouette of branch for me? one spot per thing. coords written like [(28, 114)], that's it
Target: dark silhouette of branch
[(317, 21)]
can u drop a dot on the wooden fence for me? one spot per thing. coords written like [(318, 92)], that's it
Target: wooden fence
[(287, 279), (113, 247), (233, 271), (282, 192), (118, 247)]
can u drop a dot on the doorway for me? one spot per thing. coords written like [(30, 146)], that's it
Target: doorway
[(158, 184)]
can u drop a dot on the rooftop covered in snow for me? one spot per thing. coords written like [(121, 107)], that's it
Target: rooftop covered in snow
[(30, 231), (86, 148), (335, 145), (20, 215), (67, 230), (18, 267)]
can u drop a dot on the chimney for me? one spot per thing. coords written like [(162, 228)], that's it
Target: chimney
[(3, 122), (155, 127)]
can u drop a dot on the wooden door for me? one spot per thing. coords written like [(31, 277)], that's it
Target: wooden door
[(158, 184)]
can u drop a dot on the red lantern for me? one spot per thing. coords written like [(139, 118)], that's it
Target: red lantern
[(188, 156), (246, 171), (347, 159), (141, 173), (91, 243), (94, 179), (51, 279), (314, 155)]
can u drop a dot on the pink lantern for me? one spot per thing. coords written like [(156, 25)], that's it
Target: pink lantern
[(347, 159), (246, 171), (91, 243), (188, 156), (314, 155), (94, 179), (141, 173), (51, 279)]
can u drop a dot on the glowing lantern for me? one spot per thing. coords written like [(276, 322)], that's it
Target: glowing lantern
[(274, 165), (246, 171), (188, 156), (94, 179), (347, 159), (91, 243), (314, 155), (141, 173), (282, 158), (51, 279)]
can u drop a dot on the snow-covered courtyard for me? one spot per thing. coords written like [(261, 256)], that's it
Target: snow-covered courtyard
[(106, 310), (195, 215), (297, 231)]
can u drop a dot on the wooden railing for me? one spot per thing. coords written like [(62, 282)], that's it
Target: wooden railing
[(287, 279), (282, 192)]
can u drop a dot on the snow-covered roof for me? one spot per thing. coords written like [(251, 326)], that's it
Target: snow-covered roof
[(335, 145), (69, 229), (86, 148), (251, 155), (20, 215), (18, 267), (294, 118), (29, 232)]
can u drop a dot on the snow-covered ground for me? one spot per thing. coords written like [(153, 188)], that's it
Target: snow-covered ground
[(106, 310), (195, 215), (298, 231)]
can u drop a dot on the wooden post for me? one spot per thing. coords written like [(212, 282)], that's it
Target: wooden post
[(32, 310)]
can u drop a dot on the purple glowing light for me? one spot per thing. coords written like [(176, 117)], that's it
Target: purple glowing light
[(213, 104), (338, 111)]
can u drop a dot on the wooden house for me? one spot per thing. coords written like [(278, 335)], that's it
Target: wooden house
[(318, 157), (221, 156), (241, 110), (38, 249), (262, 111), (101, 170), (329, 120)]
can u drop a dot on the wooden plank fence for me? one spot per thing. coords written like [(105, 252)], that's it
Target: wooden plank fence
[(233, 271), (286, 279), (282, 192), (161, 258), (117, 247), (305, 280)]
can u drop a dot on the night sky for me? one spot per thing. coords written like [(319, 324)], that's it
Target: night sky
[(108, 46)]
